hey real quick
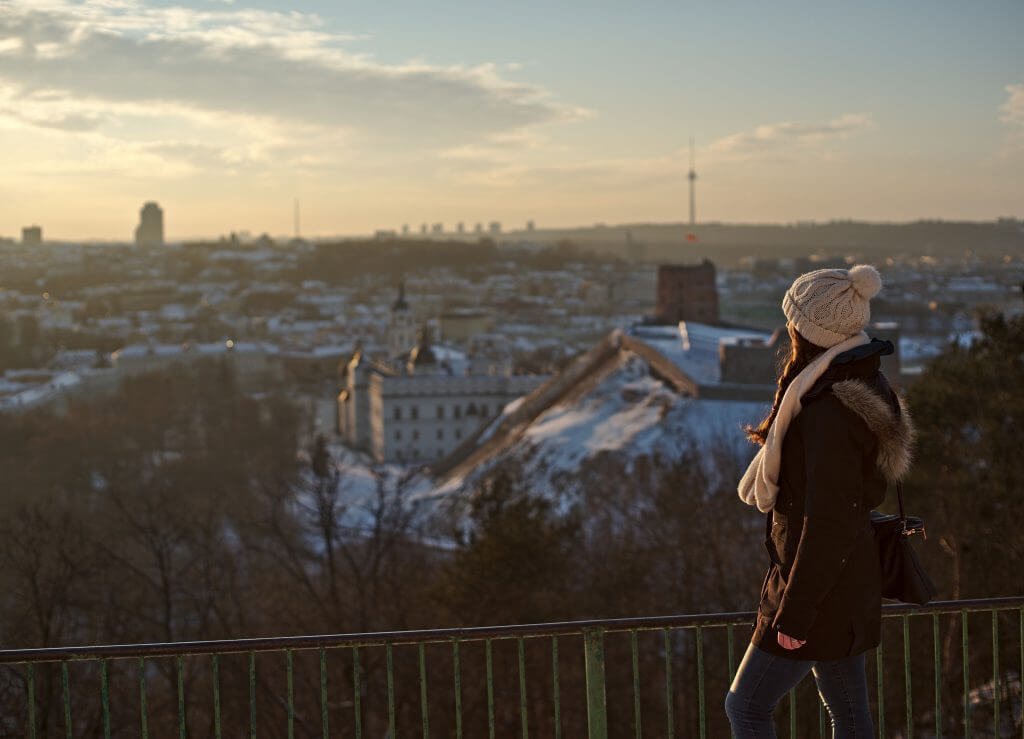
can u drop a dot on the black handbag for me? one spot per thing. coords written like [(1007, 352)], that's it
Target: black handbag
[(903, 578)]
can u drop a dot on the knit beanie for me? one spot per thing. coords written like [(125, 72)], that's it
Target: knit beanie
[(828, 306)]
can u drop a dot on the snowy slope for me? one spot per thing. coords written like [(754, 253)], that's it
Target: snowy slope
[(625, 412)]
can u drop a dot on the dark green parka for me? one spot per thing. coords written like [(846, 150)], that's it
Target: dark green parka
[(852, 436)]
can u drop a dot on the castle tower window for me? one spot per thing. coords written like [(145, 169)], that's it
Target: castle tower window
[(471, 409), (398, 434), (440, 411), (415, 411), (415, 433), (398, 413), (440, 433), (458, 433), (458, 411), (483, 409)]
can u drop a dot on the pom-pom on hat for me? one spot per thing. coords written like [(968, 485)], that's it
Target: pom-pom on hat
[(828, 306)]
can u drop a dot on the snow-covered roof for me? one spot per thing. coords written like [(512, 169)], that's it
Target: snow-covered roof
[(621, 396), (693, 346)]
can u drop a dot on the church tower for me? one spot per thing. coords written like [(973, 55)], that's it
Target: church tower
[(401, 325)]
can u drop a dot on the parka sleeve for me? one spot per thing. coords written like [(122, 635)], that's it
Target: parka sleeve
[(833, 459)]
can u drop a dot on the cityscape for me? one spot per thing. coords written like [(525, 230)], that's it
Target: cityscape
[(586, 371)]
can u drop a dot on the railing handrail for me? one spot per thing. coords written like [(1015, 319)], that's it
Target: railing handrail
[(468, 633)]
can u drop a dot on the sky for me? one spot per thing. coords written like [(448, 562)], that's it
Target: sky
[(375, 114)]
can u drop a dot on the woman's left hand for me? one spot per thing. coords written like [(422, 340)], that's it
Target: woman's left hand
[(788, 642)]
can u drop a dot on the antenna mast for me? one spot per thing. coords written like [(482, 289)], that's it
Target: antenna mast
[(692, 176)]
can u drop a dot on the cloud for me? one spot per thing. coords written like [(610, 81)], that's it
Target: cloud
[(1013, 115), (786, 137), (286, 74), (1013, 108)]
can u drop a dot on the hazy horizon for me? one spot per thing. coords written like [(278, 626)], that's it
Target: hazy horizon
[(225, 112)]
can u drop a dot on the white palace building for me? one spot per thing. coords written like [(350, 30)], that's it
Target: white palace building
[(420, 402)]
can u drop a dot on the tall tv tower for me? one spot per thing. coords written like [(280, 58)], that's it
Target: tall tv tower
[(692, 176)]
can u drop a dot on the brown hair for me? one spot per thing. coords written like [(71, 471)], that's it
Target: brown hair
[(801, 353)]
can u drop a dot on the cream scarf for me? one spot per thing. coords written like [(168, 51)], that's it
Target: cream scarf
[(760, 483)]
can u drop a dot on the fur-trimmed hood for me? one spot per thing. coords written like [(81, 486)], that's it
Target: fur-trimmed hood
[(894, 428)]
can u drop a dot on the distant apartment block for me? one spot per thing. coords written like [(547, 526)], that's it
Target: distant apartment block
[(150, 231), (687, 293), (32, 236), (494, 227)]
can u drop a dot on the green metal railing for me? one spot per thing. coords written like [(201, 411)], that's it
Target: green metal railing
[(212, 688)]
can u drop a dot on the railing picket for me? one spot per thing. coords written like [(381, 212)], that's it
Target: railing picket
[(792, 713), (357, 693), (597, 709), (290, 671), (636, 682), (424, 709), (180, 670), (995, 669), (938, 675), (967, 679), (670, 720), (821, 719), (391, 689), (700, 682), (323, 694), (554, 686), (457, 669), (31, 676), (143, 711), (65, 682), (252, 695), (732, 653), (523, 718), (490, 689), (215, 669), (909, 692), (105, 698), (880, 680)]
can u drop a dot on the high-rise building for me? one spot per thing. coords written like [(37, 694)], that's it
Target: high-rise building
[(32, 236), (529, 226), (494, 227), (437, 229), (479, 228), (461, 228), (405, 229), (150, 231)]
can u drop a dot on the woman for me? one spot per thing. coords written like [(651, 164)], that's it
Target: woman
[(835, 436)]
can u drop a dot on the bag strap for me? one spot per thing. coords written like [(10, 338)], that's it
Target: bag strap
[(899, 497)]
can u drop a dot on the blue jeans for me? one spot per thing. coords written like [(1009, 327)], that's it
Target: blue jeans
[(763, 678)]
